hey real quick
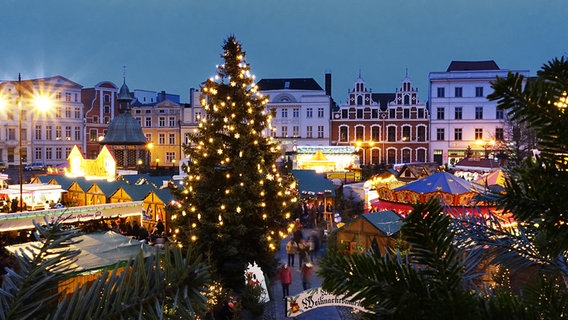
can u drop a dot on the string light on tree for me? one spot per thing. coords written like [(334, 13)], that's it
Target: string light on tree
[(237, 200)]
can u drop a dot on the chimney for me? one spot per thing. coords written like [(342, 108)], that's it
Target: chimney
[(328, 83)]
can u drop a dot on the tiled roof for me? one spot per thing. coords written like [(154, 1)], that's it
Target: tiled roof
[(472, 65), (124, 129), (292, 84), (165, 195)]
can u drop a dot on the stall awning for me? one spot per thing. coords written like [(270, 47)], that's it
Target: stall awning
[(24, 220)]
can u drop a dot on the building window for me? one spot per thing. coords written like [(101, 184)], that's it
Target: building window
[(320, 113), (499, 134), (406, 156), (478, 113), (107, 98), (58, 96), (458, 92), (344, 113), (172, 139), (78, 134), (374, 113), (172, 122), (406, 133), (68, 96), (58, 153), (440, 113), (391, 134), (95, 119), (77, 113), (392, 113), (67, 152), (309, 131), (441, 93), (309, 113), (12, 134), (359, 133), (93, 135), (479, 91), (284, 131), (421, 113), (296, 112), (458, 113), (148, 122), (499, 114), (148, 137), (359, 113), (440, 134), (343, 134), (170, 157), (391, 156), (68, 112), (478, 133), (161, 121), (57, 132), (38, 132), (48, 154), (295, 131), (320, 131), (284, 113), (421, 133), (37, 153), (58, 112), (458, 134), (68, 133), (107, 120), (161, 138), (375, 133), (406, 113), (48, 133)]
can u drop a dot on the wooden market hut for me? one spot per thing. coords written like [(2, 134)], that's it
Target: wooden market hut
[(359, 234), (155, 204), (316, 188), (101, 191), (128, 193), (77, 192)]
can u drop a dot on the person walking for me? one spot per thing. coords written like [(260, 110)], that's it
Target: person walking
[(291, 250), (307, 273), (285, 277)]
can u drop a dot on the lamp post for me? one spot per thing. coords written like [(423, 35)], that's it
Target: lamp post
[(21, 168)]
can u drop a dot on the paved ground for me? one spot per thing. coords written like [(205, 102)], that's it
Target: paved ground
[(275, 308)]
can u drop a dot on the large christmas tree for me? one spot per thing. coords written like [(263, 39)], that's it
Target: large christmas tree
[(234, 204)]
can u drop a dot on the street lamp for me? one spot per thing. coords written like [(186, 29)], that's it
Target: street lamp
[(486, 145), (38, 102)]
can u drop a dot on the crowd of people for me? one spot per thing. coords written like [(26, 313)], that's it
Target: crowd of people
[(307, 250), (156, 237)]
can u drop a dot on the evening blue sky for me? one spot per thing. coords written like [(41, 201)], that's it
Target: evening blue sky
[(174, 45)]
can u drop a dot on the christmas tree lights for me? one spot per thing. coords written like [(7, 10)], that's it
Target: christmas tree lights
[(234, 199)]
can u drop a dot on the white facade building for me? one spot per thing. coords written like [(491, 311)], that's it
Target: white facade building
[(301, 111), (462, 119), (47, 135)]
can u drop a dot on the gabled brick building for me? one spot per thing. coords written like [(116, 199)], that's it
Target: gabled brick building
[(386, 128)]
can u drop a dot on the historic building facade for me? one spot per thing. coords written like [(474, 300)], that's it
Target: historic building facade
[(161, 123), (463, 122), (51, 115), (385, 128), (100, 107), (301, 111)]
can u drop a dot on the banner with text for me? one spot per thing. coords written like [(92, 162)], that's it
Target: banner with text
[(315, 298)]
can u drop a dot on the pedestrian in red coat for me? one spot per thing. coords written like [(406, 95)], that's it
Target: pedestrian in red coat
[(285, 277)]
